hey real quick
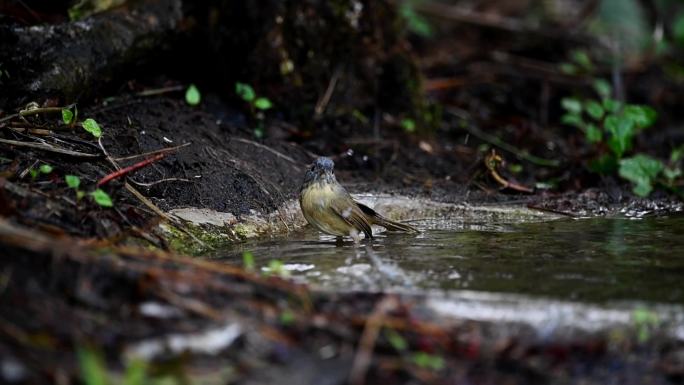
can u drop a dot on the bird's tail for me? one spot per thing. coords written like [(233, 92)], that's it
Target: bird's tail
[(379, 220)]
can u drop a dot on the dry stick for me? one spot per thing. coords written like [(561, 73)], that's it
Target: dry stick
[(498, 142), (129, 169), (155, 152), (148, 202), (269, 149), (325, 99), (50, 148), (371, 330), (156, 182)]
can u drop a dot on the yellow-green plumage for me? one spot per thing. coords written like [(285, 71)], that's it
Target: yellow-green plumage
[(327, 206)]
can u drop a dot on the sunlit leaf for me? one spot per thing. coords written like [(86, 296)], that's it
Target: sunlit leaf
[(45, 168), (192, 95), (643, 116), (572, 105), (603, 88), (262, 103), (642, 171), (72, 181), (93, 371), (594, 109), (67, 116), (245, 91), (91, 126), (102, 198)]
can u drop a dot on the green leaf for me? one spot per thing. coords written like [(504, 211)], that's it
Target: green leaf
[(91, 126), (572, 105), (192, 95), (287, 317), (262, 103), (568, 68), (248, 260), (642, 171), (416, 23), (515, 168), (276, 267), (245, 91), (45, 168), (594, 109), (428, 361), (611, 106), (603, 88), (573, 119), (67, 116), (621, 132), (409, 125), (136, 373), (672, 173), (677, 154), (79, 194), (34, 173), (582, 58), (643, 116), (72, 181), (93, 371), (102, 198), (396, 340), (593, 133)]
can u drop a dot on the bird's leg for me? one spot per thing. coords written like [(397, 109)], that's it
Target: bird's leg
[(354, 234)]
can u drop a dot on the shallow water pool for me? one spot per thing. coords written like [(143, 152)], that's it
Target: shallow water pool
[(588, 260)]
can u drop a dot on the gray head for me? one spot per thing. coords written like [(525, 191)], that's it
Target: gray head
[(324, 163), (320, 170)]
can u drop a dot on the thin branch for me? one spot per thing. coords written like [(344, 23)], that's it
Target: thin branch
[(48, 147), (500, 143), (155, 152), (129, 169)]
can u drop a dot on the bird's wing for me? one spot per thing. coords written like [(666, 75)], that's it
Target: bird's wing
[(376, 219), (352, 214)]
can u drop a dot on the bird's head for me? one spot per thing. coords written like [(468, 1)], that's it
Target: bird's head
[(320, 170)]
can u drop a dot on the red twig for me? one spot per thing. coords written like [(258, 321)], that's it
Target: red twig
[(129, 169)]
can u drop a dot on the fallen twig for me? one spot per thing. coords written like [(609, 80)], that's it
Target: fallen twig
[(473, 130), (48, 147), (371, 330), (127, 170), (155, 152)]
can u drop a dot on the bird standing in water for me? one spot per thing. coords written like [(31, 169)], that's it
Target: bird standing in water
[(327, 206)]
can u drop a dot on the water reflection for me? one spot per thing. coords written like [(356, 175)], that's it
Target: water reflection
[(589, 259)]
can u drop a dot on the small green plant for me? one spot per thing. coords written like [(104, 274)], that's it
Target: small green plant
[(68, 116), (93, 370), (276, 268), (91, 126), (644, 321), (258, 105), (248, 260), (580, 63), (44, 169), (102, 198), (192, 95), (396, 340), (415, 23), (612, 125), (74, 183), (99, 196), (428, 361), (287, 317), (409, 125)]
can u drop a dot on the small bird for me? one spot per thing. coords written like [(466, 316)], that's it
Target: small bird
[(327, 206)]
